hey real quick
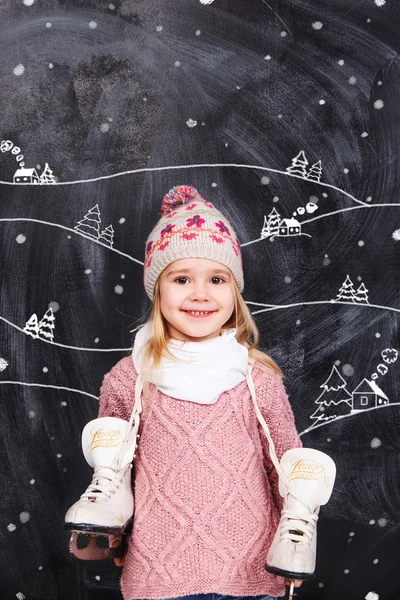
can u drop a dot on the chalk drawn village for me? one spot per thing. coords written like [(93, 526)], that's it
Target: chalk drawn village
[(25, 175), (335, 401), (276, 226)]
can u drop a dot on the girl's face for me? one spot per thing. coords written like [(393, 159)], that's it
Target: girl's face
[(196, 298)]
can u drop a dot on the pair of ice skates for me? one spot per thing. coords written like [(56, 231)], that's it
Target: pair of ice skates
[(306, 478)]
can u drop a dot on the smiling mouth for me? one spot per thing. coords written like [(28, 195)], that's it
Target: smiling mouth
[(199, 313)]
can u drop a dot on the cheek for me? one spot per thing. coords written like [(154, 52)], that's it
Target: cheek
[(164, 299), (228, 300), (170, 300)]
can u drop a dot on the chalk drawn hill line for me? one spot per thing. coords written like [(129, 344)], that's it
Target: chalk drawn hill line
[(64, 345), (10, 220), (354, 414), (271, 307), (43, 385), (197, 166)]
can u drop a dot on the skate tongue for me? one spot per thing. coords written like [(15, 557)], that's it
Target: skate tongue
[(305, 483), (103, 476), (102, 443), (307, 476), (303, 496)]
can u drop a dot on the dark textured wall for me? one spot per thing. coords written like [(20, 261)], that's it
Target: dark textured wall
[(122, 100)]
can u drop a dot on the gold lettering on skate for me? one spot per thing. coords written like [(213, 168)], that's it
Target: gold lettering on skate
[(104, 438), (306, 470)]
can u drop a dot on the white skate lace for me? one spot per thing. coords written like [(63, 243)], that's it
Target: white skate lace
[(98, 490), (297, 528), (106, 481)]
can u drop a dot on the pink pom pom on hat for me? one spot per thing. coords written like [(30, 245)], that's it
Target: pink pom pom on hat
[(190, 227)]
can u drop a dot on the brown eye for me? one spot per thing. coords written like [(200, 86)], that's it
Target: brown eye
[(181, 280), (219, 280)]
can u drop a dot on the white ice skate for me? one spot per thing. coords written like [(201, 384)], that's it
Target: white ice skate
[(106, 507), (306, 484), (306, 478)]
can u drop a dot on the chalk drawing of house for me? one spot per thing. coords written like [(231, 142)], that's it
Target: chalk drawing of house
[(368, 395), (289, 227), (26, 176)]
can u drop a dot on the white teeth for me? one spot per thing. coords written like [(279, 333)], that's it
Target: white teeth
[(197, 312)]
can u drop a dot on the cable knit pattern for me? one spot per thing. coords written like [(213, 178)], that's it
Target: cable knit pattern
[(206, 493)]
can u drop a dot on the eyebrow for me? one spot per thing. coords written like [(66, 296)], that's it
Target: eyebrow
[(184, 271)]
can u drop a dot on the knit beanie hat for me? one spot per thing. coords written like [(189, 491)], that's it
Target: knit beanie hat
[(190, 227)]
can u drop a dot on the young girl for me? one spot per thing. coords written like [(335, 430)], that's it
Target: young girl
[(206, 493)]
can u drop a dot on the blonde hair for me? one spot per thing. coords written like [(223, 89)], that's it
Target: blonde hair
[(241, 320)]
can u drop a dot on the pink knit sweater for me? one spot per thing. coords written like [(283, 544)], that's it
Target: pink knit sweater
[(206, 492)]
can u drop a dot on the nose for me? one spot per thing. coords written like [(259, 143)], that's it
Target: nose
[(199, 291)]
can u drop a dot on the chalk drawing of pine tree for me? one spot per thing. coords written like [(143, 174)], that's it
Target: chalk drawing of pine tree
[(347, 292), (299, 164), (46, 325), (107, 236), (274, 218), (90, 224), (32, 326), (47, 176), (315, 172), (334, 400), (265, 229), (361, 295)]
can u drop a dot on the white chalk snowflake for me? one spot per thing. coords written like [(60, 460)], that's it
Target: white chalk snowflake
[(375, 443), (3, 364), (396, 235), (206, 1), (19, 70), (380, 3), (191, 123), (372, 596)]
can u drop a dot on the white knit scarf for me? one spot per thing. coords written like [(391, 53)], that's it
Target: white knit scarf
[(209, 367)]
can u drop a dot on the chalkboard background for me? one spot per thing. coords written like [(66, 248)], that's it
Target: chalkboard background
[(285, 114)]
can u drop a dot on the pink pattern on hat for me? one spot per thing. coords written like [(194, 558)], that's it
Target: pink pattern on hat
[(196, 221), (217, 239), (169, 215), (222, 227), (167, 229)]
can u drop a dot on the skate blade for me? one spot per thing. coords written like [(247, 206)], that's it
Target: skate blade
[(289, 574), (100, 529), (91, 546)]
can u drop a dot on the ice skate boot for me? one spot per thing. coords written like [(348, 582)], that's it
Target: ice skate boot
[(305, 482), (106, 508)]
